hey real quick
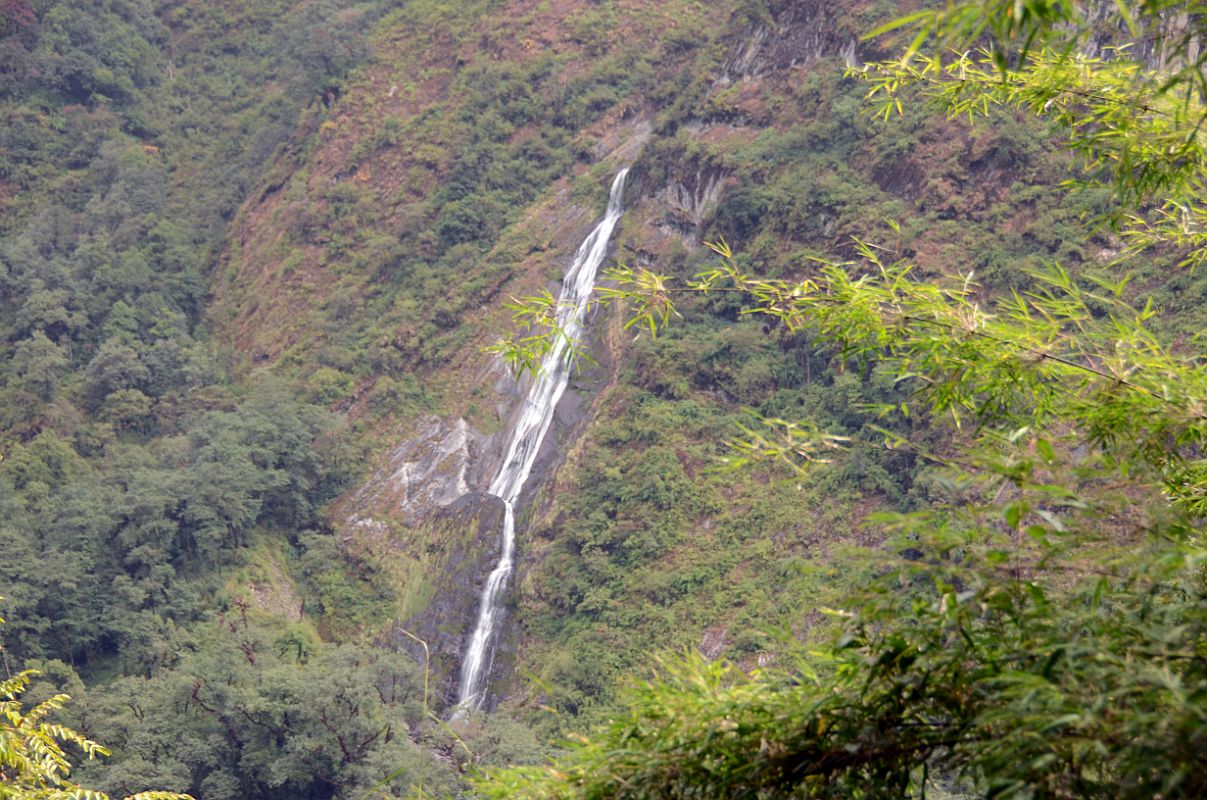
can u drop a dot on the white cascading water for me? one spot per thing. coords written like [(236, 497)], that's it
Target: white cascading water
[(525, 442)]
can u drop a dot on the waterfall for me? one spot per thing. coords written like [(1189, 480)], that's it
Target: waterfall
[(526, 437)]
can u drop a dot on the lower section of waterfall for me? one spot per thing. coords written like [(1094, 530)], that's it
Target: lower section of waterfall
[(479, 653), (524, 443)]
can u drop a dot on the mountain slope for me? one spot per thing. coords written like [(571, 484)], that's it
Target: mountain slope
[(252, 254), (474, 160)]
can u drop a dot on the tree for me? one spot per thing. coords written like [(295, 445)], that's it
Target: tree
[(1042, 631), (267, 711), (33, 763), (39, 363), (114, 367)]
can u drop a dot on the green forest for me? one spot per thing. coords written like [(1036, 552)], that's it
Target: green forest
[(881, 467)]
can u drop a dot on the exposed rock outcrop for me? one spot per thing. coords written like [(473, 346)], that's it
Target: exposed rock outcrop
[(465, 529)]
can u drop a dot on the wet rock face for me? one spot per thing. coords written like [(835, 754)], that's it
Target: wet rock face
[(444, 503), (468, 529), (1156, 48), (433, 484), (802, 34), (690, 200), (445, 460)]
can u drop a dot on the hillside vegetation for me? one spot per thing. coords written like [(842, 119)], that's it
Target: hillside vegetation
[(251, 258)]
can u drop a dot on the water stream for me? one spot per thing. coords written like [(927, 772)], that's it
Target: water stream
[(525, 442)]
